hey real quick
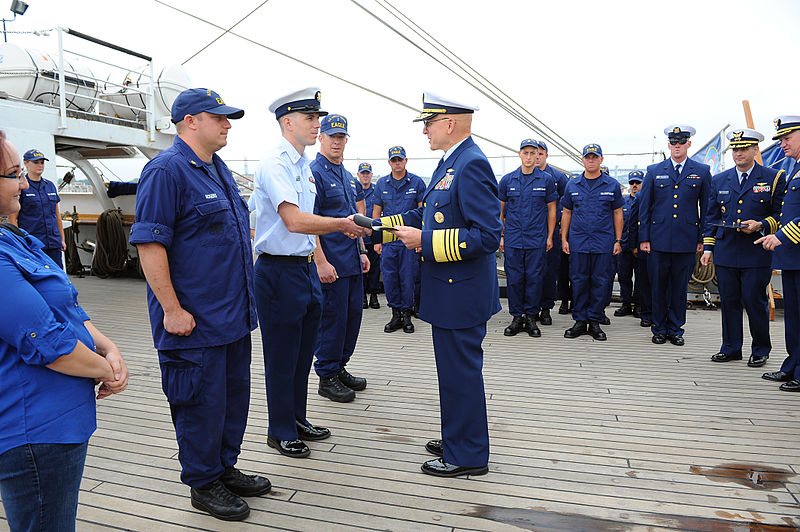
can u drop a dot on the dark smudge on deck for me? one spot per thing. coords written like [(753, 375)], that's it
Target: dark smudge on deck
[(754, 476)]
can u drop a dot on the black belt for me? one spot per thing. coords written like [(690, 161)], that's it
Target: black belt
[(297, 259)]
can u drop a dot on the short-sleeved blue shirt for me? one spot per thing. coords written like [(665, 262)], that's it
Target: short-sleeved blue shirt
[(204, 224), (37, 404), (39, 211), (592, 202), (525, 212), (561, 180), (369, 199), (337, 194)]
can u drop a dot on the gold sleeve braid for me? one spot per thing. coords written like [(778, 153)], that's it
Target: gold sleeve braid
[(393, 220), (445, 245), (792, 231), (709, 241)]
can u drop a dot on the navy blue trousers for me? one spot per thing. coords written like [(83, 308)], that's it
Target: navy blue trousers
[(39, 483), (590, 274), (208, 389), (462, 401), (400, 268), (289, 302), (525, 279), (625, 269), (55, 254), (564, 284), (373, 276), (669, 280), (341, 320), (550, 277), (791, 319), (744, 287), (642, 293)]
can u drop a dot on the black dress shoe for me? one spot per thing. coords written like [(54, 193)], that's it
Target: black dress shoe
[(354, 383), (564, 308), (517, 325), (292, 448), (675, 340), (605, 320), (373, 301), (777, 376), (311, 433), (395, 323), (439, 468), (220, 502), (245, 485), (365, 304), (435, 447), (545, 318), (533, 329), (596, 332), (576, 330), (333, 389), (757, 361), (646, 323), (624, 310), (725, 357), (659, 339), (791, 386)]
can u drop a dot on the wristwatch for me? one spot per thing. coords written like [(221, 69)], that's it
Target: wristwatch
[(619, 241)]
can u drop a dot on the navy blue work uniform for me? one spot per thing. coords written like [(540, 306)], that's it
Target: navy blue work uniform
[(743, 270), (591, 242), (553, 261), (626, 260), (787, 259), (460, 222), (642, 292), (672, 210), (526, 198), (38, 215), (400, 265), (194, 209), (337, 194), (373, 276)]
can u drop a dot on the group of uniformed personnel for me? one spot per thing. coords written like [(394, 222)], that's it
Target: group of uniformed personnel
[(204, 293)]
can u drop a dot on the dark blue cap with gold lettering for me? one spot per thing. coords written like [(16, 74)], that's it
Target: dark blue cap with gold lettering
[(397, 151), (196, 101), (333, 124)]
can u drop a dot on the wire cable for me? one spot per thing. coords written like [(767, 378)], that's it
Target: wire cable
[(198, 52)]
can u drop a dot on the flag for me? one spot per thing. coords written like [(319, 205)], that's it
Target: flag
[(775, 158), (711, 153)]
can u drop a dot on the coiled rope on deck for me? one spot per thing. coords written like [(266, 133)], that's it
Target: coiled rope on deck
[(703, 275), (112, 246)]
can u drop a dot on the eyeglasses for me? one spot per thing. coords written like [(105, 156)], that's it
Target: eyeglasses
[(19, 175), (427, 123), (679, 141)]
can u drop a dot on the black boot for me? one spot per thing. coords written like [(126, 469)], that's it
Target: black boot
[(333, 389), (532, 328), (624, 310), (373, 301), (219, 501), (354, 383), (365, 304), (635, 312), (596, 332), (396, 322), (605, 320), (407, 325), (517, 325), (564, 308), (545, 318), (576, 330)]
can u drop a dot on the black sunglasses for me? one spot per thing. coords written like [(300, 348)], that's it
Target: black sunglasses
[(679, 141)]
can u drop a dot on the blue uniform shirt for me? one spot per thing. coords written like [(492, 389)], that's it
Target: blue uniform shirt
[(283, 176), (369, 199), (204, 226), (337, 194), (628, 221), (787, 255), (396, 196), (38, 212), (561, 180), (592, 202), (37, 404), (526, 198)]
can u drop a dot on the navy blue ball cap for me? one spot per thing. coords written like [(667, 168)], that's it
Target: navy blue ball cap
[(306, 101), (364, 167), (542, 145), (592, 148), (333, 124), (785, 124), (397, 151), (679, 131), (528, 142), (34, 155), (636, 176), (196, 101)]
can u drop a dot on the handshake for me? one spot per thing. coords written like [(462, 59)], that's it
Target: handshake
[(356, 225)]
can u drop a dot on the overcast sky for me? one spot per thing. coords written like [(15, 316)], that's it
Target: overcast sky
[(611, 72)]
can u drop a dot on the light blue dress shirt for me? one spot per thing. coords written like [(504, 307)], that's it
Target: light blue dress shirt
[(283, 176)]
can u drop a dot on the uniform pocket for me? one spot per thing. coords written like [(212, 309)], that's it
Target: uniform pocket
[(216, 222), (181, 375)]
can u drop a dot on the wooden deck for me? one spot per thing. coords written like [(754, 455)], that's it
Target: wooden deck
[(586, 436)]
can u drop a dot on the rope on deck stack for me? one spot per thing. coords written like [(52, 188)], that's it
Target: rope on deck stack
[(703, 275), (112, 246), (74, 266)]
